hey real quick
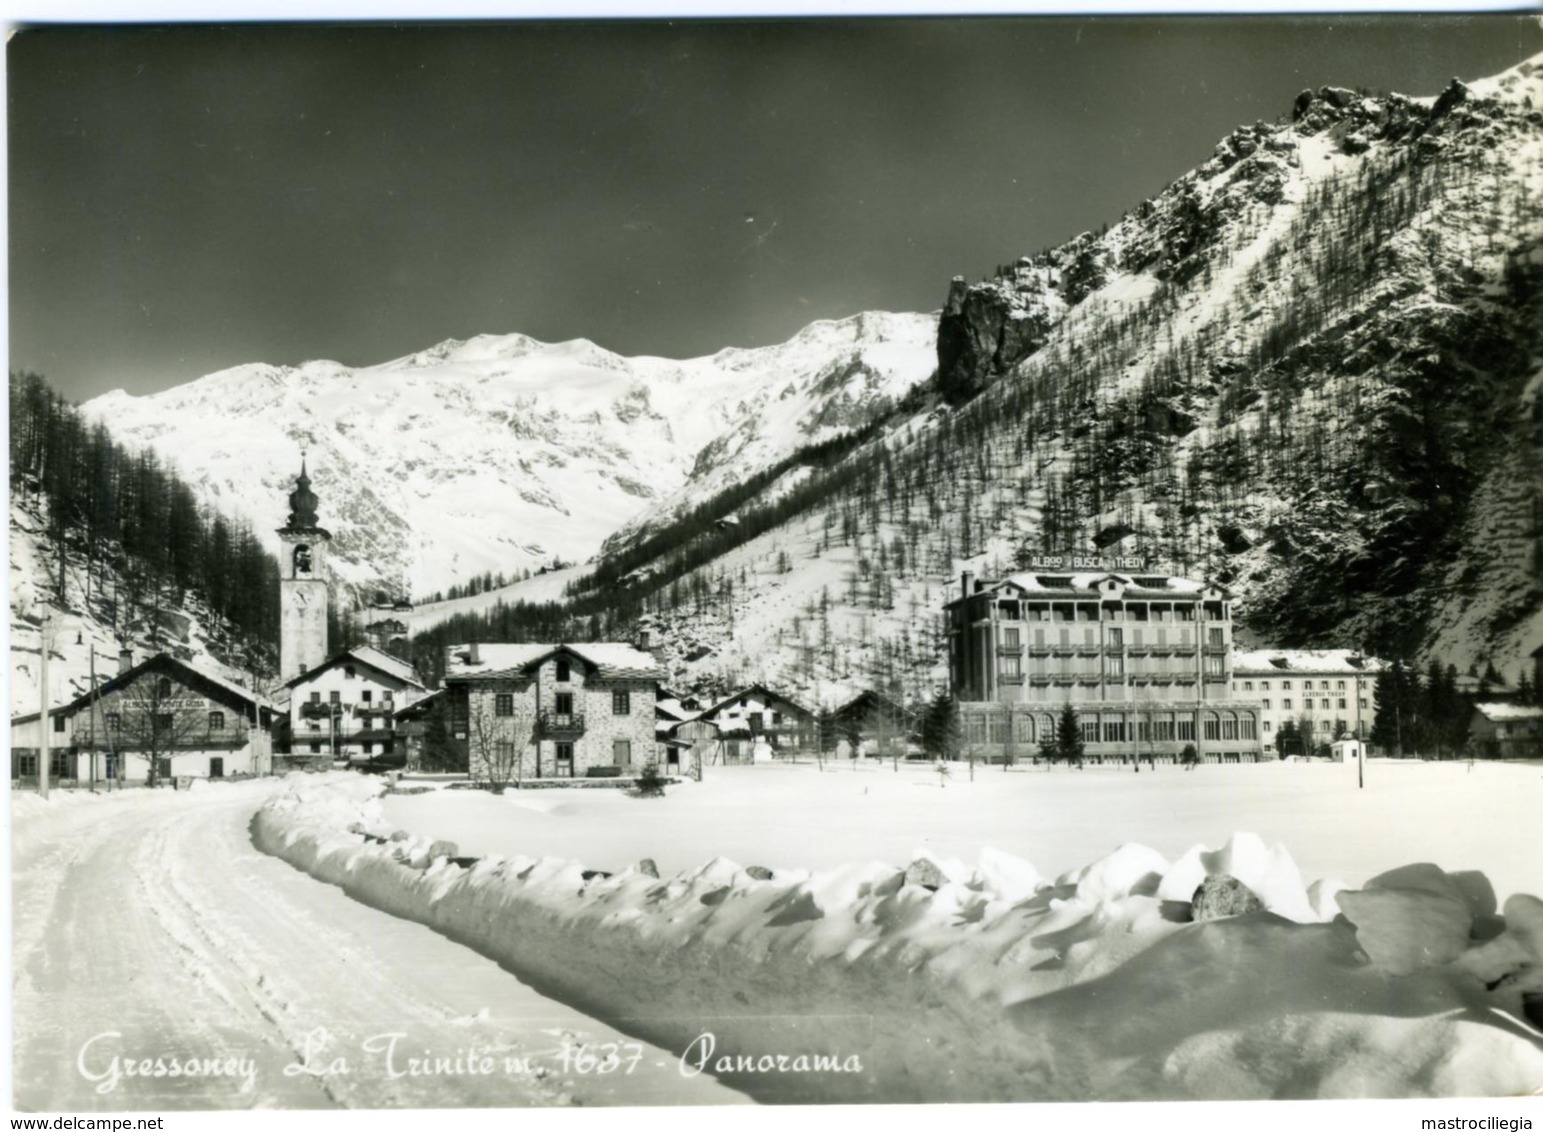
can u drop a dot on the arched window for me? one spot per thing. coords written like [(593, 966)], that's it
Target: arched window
[(163, 687), (1213, 727), (302, 561), (1246, 724), (1229, 726)]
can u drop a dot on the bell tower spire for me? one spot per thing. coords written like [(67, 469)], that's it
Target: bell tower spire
[(303, 588)]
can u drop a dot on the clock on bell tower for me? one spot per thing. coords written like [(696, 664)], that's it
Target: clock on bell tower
[(303, 593)]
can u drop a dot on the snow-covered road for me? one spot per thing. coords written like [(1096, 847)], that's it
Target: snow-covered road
[(148, 927)]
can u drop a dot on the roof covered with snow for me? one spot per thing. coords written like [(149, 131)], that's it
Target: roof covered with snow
[(1508, 713), (613, 659), (364, 654), (1093, 584), (1275, 662), (162, 660)]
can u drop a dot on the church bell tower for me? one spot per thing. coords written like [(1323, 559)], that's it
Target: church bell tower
[(302, 584)]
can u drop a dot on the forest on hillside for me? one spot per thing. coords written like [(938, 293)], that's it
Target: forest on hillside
[(134, 531)]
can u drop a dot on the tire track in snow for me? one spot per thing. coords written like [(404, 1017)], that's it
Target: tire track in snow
[(157, 918)]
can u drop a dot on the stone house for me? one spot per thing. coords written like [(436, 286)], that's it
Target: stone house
[(522, 711)]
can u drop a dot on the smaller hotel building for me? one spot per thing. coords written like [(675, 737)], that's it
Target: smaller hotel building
[(1325, 692), (1143, 657)]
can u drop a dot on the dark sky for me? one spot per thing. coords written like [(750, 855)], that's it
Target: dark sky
[(186, 199)]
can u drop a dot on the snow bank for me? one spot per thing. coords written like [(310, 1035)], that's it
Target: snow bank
[(942, 982)]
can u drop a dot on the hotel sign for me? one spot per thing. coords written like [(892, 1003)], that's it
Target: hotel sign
[(1073, 562)]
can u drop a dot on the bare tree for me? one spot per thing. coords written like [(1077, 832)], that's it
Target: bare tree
[(156, 719), (501, 726)]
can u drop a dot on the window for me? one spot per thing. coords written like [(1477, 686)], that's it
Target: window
[(1248, 685), (316, 697), (564, 670), (163, 768), (386, 696), (315, 748), (1324, 704), (1212, 726), (1114, 731), (61, 764), (1267, 727), (1339, 686), (503, 703), (621, 702), (313, 726), (1266, 704), (1229, 726), (216, 721), (164, 721), (334, 697), (369, 748), (1246, 725), (1264, 685), (1186, 727), (1286, 704), (24, 766), (1213, 637), (348, 672), (59, 724), (1341, 705), (1215, 666), (1116, 665), (163, 687), (996, 728), (1090, 730), (1323, 685), (1285, 685), (565, 704), (1116, 637), (216, 767), (114, 721), (565, 759), (1011, 638), (365, 695), (1011, 666)]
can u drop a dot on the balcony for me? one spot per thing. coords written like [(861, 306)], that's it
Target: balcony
[(1010, 650), (319, 711), (1088, 650), (561, 723)]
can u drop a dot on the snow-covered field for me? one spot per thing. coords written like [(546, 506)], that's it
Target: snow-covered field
[(933, 963), (798, 817)]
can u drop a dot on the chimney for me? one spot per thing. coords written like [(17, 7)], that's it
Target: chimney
[(967, 583), (474, 654), (125, 660), (643, 640)]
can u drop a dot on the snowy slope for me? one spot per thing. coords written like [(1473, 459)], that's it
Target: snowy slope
[(83, 638), (1303, 370), (502, 453)]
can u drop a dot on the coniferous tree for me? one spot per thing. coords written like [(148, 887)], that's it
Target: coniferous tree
[(1068, 736)]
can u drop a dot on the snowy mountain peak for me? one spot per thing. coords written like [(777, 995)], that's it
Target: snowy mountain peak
[(499, 452)]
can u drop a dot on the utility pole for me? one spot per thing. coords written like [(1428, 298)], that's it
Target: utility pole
[(45, 732)]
